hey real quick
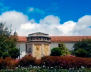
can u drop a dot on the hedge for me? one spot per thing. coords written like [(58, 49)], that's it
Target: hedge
[(48, 62)]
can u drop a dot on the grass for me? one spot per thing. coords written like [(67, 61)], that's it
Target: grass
[(44, 70)]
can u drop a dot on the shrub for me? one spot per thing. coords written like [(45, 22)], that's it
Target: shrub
[(84, 44), (1, 53), (37, 62), (48, 61), (5, 54), (27, 61), (81, 53), (14, 63), (56, 52), (66, 62), (14, 52), (1, 63), (7, 62)]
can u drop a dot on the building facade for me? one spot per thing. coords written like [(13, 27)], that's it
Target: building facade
[(40, 44)]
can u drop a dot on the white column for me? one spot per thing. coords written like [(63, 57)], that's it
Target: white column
[(33, 50)]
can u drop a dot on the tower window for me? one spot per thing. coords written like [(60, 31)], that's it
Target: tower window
[(30, 50)]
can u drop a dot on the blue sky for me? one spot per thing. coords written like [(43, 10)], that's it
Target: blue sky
[(56, 17), (65, 9)]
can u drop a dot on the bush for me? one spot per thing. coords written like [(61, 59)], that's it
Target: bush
[(27, 61), (81, 53), (66, 62), (1, 63), (84, 44), (14, 63), (47, 61), (56, 52), (1, 53), (7, 62), (5, 54), (37, 62), (14, 52)]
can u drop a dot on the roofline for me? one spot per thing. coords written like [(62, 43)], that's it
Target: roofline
[(54, 37), (61, 36), (38, 32)]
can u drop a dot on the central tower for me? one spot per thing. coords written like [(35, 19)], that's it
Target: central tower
[(38, 44)]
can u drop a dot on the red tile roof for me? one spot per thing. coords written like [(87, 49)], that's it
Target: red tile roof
[(59, 38), (22, 38)]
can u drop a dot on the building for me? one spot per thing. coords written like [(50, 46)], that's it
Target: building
[(40, 44)]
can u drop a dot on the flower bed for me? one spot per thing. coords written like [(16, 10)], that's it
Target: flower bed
[(47, 62)]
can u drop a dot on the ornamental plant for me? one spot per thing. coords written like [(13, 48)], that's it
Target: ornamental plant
[(66, 62), (27, 61)]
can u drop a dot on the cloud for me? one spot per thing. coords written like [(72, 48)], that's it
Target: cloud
[(82, 27), (31, 9), (14, 18), (36, 10), (50, 20), (50, 24)]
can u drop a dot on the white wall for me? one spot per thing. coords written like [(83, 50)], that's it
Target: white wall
[(52, 45), (69, 45), (22, 48)]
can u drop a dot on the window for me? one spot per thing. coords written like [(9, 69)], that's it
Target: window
[(59, 45), (30, 50)]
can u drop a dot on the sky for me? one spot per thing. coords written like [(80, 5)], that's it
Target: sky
[(54, 17)]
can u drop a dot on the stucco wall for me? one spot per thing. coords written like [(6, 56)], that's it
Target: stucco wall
[(69, 45), (52, 45), (22, 48)]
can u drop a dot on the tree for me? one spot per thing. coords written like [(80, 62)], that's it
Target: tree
[(7, 40), (85, 44), (14, 52), (64, 49), (56, 52)]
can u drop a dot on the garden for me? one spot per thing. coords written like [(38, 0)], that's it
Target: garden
[(46, 64), (60, 60)]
